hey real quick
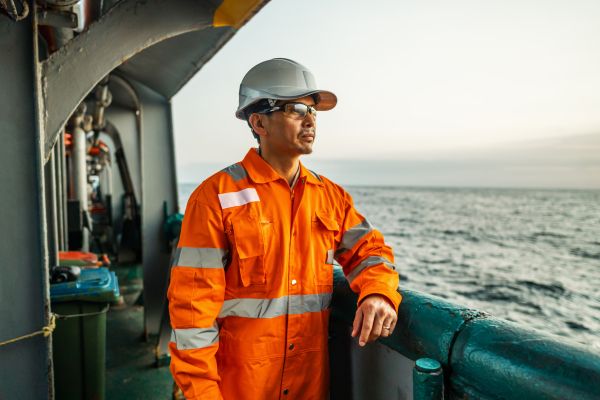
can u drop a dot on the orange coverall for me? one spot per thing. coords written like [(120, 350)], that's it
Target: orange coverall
[(252, 281)]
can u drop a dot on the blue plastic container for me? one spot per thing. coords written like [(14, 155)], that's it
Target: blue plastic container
[(95, 285), (79, 341)]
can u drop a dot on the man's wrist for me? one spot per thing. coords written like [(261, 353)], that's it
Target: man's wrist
[(391, 304)]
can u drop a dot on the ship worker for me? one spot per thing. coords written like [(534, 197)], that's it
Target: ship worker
[(252, 278)]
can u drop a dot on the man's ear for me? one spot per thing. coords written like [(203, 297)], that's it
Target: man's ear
[(256, 121)]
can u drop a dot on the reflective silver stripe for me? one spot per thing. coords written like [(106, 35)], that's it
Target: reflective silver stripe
[(271, 308), (254, 308), (197, 257), (329, 259), (352, 236), (300, 304), (236, 171), (369, 262), (234, 199), (195, 338)]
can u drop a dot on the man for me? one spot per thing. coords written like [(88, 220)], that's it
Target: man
[(252, 278)]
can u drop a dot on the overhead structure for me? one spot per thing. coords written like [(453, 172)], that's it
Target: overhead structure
[(54, 54), (187, 33)]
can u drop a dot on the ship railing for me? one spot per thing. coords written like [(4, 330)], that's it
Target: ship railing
[(482, 357)]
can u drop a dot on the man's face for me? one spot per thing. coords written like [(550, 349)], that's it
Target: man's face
[(289, 136)]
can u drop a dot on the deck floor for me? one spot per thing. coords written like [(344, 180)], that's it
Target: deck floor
[(130, 363)]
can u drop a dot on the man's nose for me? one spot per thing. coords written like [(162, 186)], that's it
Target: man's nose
[(309, 120)]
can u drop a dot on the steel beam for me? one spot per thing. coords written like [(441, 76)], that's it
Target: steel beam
[(126, 29), (159, 185), (25, 366), (151, 158)]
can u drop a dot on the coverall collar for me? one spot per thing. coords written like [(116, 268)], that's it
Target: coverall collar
[(260, 171)]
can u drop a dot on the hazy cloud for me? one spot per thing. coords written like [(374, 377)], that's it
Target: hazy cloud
[(571, 162)]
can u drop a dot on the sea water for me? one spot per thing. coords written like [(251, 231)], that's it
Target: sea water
[(528, 256)]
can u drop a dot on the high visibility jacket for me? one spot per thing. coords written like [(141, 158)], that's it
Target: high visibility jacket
[(252, 281)]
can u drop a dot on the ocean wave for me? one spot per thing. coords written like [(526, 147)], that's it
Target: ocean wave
[(463, 234), (427, 261), (397, 234), (576, 326), (584, 253), (554, 290), (501, 293), (552, 235)]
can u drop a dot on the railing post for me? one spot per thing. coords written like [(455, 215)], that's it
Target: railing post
[(428, 380)]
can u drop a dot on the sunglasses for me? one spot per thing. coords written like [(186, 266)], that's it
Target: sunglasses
[(293, 110)]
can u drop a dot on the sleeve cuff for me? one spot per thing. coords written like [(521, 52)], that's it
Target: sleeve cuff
[(392, 296)]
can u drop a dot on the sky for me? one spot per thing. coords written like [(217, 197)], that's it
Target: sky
[(430, 93)]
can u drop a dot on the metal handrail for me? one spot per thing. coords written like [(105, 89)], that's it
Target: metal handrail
[(483, 357)]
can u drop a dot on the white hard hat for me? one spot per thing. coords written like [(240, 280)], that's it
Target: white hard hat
[(281, 79)]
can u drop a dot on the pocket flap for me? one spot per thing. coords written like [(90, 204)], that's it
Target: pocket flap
[(248, 237), (328, 222)]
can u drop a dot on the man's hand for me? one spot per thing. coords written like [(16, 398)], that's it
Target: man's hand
[(375, 317)]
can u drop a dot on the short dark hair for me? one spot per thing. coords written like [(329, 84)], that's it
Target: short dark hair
[(254, 108)]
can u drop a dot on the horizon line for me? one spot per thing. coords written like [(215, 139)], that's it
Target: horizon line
[(458, 187)]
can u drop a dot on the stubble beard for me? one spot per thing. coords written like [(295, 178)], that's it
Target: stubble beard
[(306, 147)]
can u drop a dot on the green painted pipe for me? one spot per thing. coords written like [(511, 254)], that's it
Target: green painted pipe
[(503, 360), (428, 380), (484, 357), (426, 324)]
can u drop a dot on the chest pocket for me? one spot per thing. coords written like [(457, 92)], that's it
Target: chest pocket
[(250, 248), (324, 230)]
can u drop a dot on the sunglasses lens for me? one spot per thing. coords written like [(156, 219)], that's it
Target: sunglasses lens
[(299, 110), (296, 110)]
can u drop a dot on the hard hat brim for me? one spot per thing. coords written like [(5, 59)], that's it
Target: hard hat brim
[(325, 101)]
